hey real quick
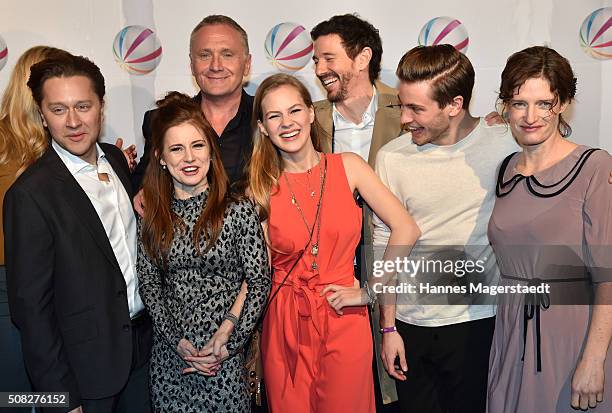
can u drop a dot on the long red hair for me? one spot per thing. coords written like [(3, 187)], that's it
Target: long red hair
[(159, 222)]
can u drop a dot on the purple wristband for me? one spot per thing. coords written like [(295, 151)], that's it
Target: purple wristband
[(388, 329)]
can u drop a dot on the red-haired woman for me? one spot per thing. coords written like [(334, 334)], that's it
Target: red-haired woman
[(196, 246)]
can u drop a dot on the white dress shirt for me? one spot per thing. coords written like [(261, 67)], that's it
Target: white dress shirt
[(352, 137), (114, 208)]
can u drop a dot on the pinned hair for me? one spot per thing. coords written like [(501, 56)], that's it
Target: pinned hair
[(539, 62), (159, 222)]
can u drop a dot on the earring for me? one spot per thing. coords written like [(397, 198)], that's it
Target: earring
[(163, 167)]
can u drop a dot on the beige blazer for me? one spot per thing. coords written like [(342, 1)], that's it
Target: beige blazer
[(387, 126), (386, 122)]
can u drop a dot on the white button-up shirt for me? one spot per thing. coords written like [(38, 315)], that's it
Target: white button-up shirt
[(114, 208), (351, 137)]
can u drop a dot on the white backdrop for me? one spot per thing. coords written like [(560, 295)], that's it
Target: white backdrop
[(496, 29)]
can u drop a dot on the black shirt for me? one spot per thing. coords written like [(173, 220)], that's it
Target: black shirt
[(235, 142)]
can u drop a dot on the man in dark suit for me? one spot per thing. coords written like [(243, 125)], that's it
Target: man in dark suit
[(71, 253)]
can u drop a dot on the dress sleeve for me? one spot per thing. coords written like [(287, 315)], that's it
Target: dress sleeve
[(152, 293), (597, 212), (254, 261)]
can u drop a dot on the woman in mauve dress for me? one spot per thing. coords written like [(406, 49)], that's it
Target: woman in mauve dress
[(551, 225)]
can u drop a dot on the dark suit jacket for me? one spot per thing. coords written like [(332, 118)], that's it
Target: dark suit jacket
[(66, 292)]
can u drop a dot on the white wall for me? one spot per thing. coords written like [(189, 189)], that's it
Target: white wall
[(496, 29)]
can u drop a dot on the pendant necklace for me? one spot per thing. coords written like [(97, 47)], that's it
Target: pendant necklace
[(308, 186), (314, 249)]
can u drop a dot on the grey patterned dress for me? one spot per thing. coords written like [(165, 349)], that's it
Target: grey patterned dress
[(196, 293)]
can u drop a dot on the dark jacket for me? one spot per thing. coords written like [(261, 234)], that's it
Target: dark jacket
[(66, 291)]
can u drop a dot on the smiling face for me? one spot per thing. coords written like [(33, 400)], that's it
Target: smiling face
[(186, 154), (287, 120), (533, 114), (219, 60), (427, 122), (72, 112), (333, 67)]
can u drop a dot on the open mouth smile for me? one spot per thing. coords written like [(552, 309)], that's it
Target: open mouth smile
[(190, 170), (289, 135)]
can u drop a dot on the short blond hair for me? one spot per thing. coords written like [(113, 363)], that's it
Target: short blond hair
[(219, 19)]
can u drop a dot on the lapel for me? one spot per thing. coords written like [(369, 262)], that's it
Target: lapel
[(323, 114), (119, 167), (80, 204), (387, 125)]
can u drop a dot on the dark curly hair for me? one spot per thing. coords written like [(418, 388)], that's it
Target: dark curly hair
[(356, 34), (539, 62)]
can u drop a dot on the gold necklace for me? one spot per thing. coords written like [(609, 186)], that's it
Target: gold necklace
[(314, 250), (307, 185)]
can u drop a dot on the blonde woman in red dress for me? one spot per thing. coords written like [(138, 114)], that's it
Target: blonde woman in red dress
[(316, 342)]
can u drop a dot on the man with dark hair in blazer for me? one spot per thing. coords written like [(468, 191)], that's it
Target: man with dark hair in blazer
[(71, 252), (360, 114)]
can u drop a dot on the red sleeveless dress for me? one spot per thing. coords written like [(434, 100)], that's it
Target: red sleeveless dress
[(315, 360)]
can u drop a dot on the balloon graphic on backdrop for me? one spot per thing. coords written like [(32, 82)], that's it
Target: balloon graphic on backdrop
[(444, 30), (3, 53), (137, 50), (288, 47), (596, 33)]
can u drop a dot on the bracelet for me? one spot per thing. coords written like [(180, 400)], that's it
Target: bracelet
[(386, 330), (231, 317), (371, 294)]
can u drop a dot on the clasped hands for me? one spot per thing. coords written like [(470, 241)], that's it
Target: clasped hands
[(206, 361)]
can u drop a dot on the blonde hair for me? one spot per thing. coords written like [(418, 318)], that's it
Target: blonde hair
[(219, 19), (265, 165), (22, 136)]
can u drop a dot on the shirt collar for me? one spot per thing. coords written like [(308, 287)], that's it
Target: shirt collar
[(244, 109), (367, 118), (76, 164)]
